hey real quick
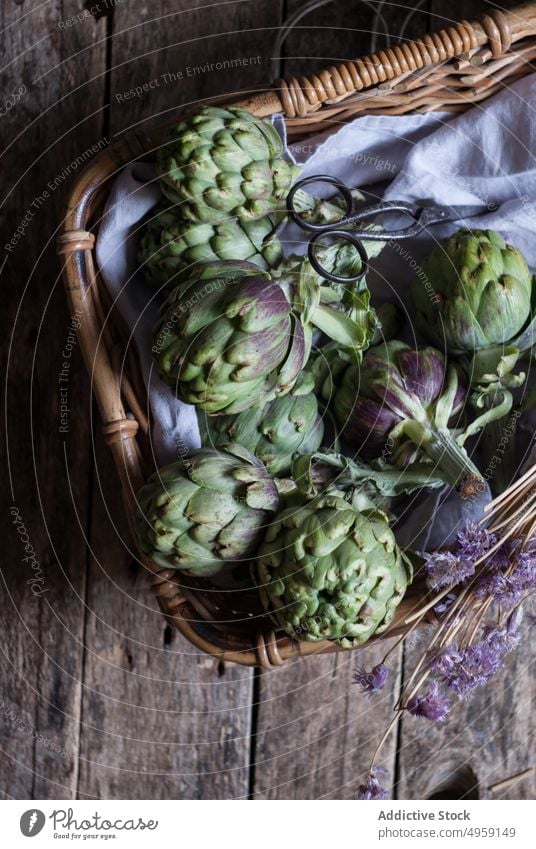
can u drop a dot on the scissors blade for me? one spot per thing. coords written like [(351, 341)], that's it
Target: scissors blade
[(437, 214)]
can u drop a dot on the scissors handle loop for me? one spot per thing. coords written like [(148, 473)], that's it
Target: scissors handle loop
[(342, 190), (347, 236)]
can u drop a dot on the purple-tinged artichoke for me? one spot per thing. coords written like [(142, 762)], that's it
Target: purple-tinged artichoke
[(228, 339), (473, 298), (397, 406)]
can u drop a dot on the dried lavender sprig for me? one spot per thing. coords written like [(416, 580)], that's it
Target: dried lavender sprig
[(464, 669), (496, 642), (488, 544), (374, 681), (433, 705), (447, 631), (516, 491), (446, 569), (471, 540), (371, 789)]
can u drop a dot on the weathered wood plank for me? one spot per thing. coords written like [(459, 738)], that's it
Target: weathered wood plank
[(490, 738), (316, 733), (486, 740), (159, 719), (183, 53), (339, 31), (51, 122)]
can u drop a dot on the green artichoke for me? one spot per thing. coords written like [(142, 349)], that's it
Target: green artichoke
[(223, 163), (228, 339), (169, 245), (328, 570), (474, 291), (275, 431), (397, 405), (206, 512)]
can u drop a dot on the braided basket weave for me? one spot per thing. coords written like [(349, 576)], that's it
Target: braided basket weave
[(451, 70)]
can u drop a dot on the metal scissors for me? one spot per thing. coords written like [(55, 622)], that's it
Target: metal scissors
[(422, 218)]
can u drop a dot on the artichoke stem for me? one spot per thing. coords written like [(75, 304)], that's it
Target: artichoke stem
[(449, 457)]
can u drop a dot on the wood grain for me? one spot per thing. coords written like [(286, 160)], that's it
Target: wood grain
[(316, 733), (52, 124), (491, 737), (159, 719), (90, 665), (486, 740), (175, 51)]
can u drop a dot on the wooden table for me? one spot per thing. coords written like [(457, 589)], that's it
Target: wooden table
[(99, 698)]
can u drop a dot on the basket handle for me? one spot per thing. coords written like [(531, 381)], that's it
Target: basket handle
[(299, 96)]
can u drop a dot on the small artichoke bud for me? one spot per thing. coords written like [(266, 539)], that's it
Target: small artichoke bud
[(275, 431)]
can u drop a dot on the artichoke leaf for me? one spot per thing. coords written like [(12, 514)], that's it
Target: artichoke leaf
[(502, 406), (446, 401), (321, 211), (493, 364), (341, 328), (318, 471)]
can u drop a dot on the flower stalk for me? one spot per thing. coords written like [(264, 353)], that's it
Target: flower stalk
[(482, 625)]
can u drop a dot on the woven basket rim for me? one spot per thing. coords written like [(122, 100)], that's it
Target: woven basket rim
[(414, 76)]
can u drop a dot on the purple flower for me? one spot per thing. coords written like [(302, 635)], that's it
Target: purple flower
[(371, 682), (433, 705), (462, 670), (446, 660), (371, 788), (445, 604), (474, 541), (525, 570), (502, 588), (510, 576), (500, 641), (501, 559), (445, 569)]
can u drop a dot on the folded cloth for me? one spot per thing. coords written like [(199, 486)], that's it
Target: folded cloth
[(134, 193), (483, 156)]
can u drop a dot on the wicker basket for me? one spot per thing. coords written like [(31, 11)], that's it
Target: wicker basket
[(451, 69)]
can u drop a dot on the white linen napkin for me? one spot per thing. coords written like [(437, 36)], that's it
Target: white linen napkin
[(482, 156)]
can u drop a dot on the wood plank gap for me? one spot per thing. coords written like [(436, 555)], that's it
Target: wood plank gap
[(38, 685), (254, 724), (87, 566), (398, 736), (106, 105)]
